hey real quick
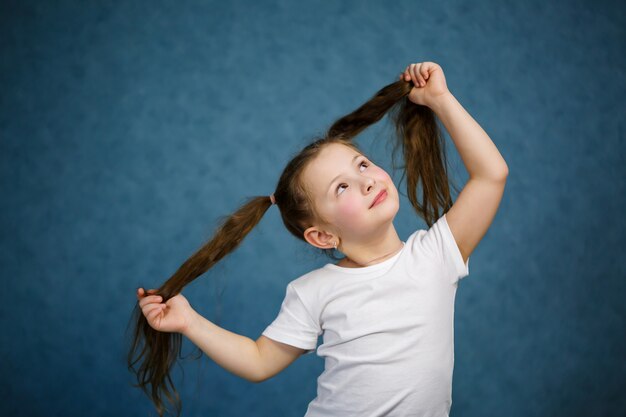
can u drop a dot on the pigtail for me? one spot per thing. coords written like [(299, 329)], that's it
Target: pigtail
[(349, 126), (157, 351), (419, 136)]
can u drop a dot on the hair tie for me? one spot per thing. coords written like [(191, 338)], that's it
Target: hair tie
[(273, 198)]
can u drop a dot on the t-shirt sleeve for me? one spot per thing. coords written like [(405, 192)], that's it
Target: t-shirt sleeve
[(294, 325), (438, 242)]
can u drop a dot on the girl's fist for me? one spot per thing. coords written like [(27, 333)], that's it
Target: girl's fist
[(175, 315), (428, 80)]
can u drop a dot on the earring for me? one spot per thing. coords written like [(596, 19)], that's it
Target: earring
[(335, 244)]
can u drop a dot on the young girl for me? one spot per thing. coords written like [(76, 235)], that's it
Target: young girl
[(386, 309)]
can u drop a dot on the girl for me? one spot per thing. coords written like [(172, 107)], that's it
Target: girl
[(386, 308)]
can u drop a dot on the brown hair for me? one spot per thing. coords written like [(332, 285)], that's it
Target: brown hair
[(423, 147)]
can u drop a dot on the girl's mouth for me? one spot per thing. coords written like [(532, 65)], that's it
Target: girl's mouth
[(380, 197)]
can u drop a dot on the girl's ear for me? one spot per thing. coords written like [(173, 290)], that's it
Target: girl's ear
[(319, 238)]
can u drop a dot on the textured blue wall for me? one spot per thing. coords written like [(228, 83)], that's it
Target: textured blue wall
[(126, 130)]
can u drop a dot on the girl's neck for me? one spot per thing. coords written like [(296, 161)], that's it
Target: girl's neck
[(349, 263)]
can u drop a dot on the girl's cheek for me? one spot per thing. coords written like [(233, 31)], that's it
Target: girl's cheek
[(383, 174), (349, 208)]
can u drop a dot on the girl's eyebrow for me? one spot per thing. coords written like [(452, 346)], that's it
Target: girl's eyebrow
[(351, 163)]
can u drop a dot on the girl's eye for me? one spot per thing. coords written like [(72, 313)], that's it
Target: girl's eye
[(361, 164)]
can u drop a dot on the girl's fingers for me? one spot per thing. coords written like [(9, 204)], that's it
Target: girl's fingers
[(141, 292), (415, 75), (150, 299), (424, 70), (147, 301), (418, 70), (156, 309), (150, 308), (154, 313)]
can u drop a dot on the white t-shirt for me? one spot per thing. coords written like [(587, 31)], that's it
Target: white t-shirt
[(388, 329)]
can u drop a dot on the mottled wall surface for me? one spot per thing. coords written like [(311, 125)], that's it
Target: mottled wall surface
[(127, 129)]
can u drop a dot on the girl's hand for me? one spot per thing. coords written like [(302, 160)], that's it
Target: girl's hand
[(428, 80), (173, 316)]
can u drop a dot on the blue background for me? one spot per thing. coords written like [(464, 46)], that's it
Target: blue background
[(127, 129)]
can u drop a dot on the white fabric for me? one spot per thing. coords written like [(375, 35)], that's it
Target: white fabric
[(388, 334)]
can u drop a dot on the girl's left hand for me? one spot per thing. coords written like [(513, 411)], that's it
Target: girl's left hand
[(428, 80)]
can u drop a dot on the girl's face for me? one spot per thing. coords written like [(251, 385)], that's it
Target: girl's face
[(344, 184)]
